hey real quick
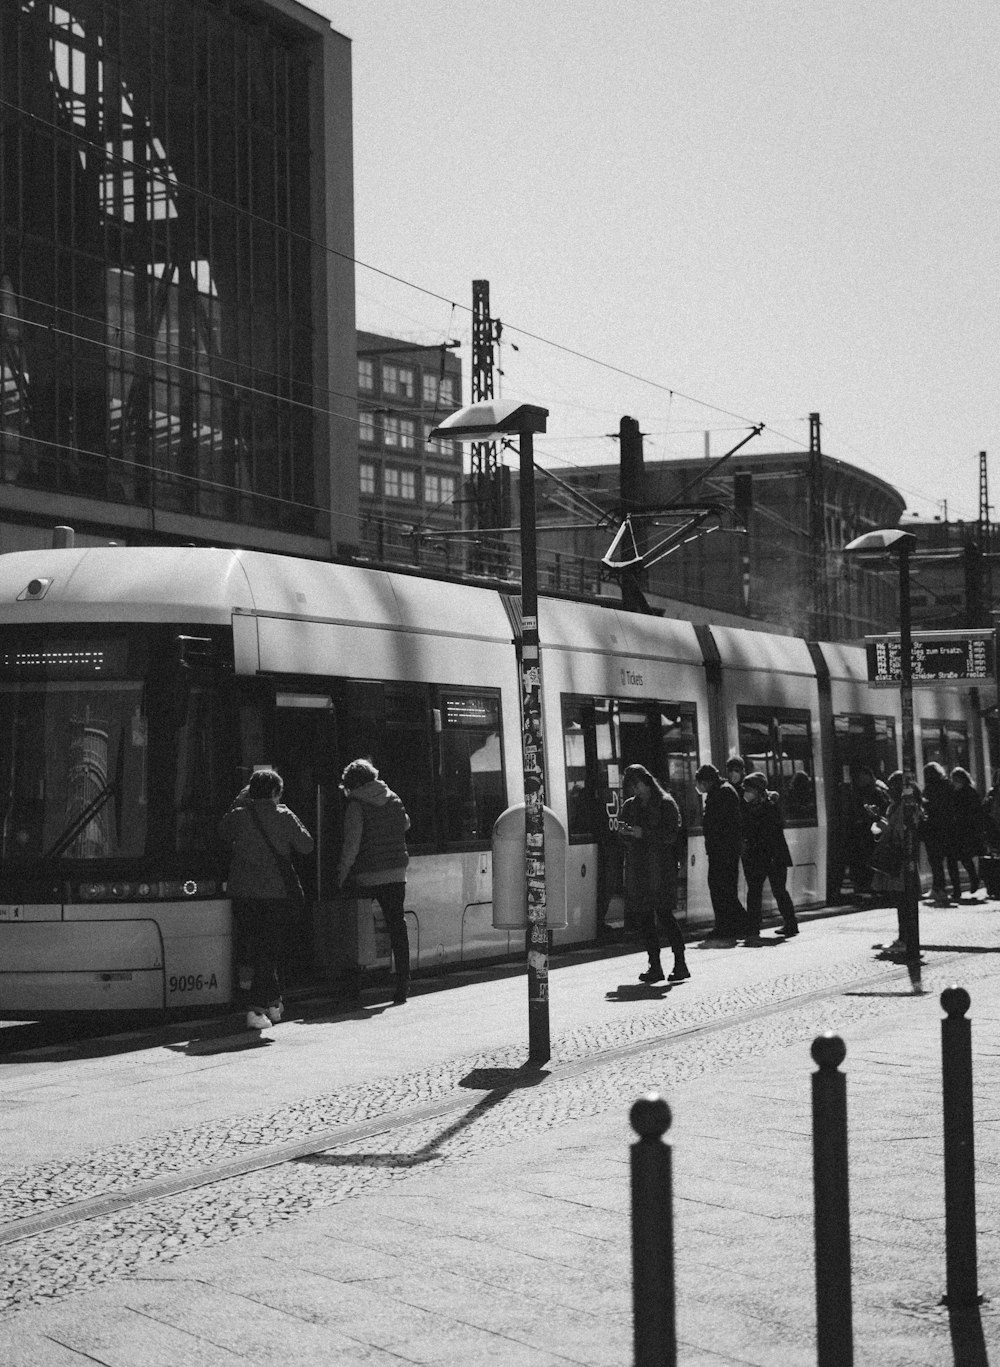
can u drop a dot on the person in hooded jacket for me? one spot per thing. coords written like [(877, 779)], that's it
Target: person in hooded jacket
[(262, 833), (374, 855), (765, 854)]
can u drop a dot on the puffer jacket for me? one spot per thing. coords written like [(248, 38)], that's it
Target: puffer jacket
[(374, 847), (254, 872)]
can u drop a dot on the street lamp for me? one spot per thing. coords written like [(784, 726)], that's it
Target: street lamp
[(483, 422), (892, 541)]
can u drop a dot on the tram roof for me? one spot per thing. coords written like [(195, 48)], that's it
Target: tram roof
[(206, 584)]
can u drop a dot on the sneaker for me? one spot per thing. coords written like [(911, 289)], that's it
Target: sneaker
[(679, 973), (256, 1020), (274, 1013), (652, 975)]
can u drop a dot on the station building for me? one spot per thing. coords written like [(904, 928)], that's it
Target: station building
[(764, 573), (410, 488), (177, 333)]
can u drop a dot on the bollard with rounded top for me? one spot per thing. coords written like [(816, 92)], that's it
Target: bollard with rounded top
[(653, 1297), (834, 1331), (962, 1278)]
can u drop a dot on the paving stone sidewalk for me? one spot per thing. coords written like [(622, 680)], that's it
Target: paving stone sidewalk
[(501, 1234)]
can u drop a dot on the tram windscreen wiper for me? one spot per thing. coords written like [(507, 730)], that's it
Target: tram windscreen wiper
[(96, 804)]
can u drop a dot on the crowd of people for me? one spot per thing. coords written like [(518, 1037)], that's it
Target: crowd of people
[(742, 824), (956, 826)]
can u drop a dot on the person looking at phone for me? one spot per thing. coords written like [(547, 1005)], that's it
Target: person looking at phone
[(649, 827)]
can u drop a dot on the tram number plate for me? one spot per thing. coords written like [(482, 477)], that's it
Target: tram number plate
[(192, 982), (11, 913)]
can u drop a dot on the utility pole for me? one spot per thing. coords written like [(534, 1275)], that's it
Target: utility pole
[(490, 479), (632, 491), (817, 535)]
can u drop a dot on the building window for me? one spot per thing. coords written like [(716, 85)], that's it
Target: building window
[(430, 387), (407, 434), (390, 430), (366, 426), (447, 488), (432, 488), (446, 389), (391, 482), (407, 484), (366, 374), (366, 478), (397, 380)]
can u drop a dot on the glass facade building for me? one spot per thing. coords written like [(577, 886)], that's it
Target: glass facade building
[(164, 316)]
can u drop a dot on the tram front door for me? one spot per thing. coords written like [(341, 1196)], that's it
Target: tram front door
[(305, 754)]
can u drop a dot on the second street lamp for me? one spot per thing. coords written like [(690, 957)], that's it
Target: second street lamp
[(481, 422)]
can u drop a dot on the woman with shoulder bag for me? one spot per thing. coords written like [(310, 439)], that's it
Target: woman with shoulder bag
[(887, 857), (264, 886), (649, 826)]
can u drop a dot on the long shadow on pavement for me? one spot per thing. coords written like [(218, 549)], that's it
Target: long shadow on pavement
[(501, 1081), (968, 1343)]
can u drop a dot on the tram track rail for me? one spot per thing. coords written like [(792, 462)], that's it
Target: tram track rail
[(493, 1081)]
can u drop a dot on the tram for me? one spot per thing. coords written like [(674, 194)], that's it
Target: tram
[(139, 688)]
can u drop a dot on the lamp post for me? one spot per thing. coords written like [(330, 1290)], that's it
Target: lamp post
[(483, 422), (892, 541)]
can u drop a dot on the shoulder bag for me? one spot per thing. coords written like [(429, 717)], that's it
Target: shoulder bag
[(293, 885)]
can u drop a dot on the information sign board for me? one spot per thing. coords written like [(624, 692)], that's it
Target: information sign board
[(937, 657)]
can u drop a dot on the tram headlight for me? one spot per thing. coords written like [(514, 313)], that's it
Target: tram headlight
[(93, 892)]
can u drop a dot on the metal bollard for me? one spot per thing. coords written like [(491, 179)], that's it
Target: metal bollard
[(959, 1151), (653, 1299), (834, 1331)]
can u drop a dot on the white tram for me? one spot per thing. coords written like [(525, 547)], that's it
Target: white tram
[(139, 687)]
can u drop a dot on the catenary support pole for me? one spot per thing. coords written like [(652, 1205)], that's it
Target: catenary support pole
[(653, 1296), (533, 756), (911, 808), (834, 1331), (959, 1151)]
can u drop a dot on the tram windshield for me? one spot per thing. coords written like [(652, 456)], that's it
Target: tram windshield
[(114, 743)]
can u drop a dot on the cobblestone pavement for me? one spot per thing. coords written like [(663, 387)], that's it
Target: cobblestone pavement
[(369, 1136)]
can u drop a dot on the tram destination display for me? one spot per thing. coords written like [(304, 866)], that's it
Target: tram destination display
[(937, 657)]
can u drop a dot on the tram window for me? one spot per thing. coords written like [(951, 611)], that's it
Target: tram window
[(439, 749), (580, 752), (405, 762), (945, 742), (470, 765), (679, 737), (778, 742), (602, 736), (864, 740)]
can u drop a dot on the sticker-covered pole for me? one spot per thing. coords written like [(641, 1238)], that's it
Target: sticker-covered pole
[(533, 755)]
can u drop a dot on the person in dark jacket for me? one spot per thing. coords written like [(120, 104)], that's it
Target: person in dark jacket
[(722, 829), (374, 856), (937, 827), (262, 833), (649, 825), (765, 854), (967, 831)]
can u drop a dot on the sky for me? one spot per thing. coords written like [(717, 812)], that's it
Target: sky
[(733, 211)]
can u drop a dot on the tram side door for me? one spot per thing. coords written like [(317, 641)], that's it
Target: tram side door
[(305, 754)]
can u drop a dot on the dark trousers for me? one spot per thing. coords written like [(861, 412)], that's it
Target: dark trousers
[(655, 910), (261, 934), (968, 863), (723, 882), (390, 897), (776, 874)]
